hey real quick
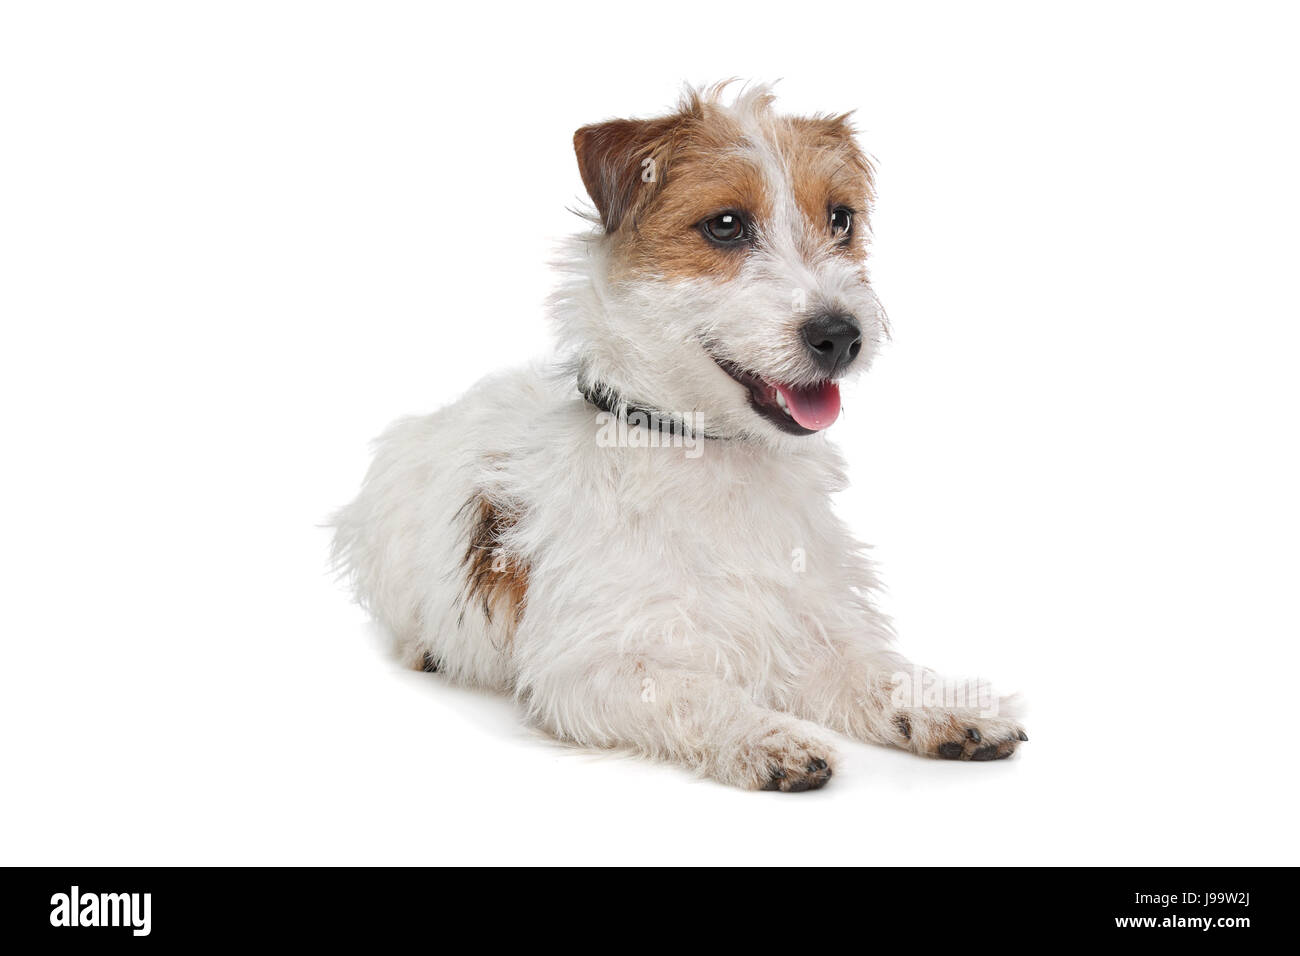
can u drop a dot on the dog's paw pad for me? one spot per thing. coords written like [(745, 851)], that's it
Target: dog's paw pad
[(785, 757), (812, 776), (904, 725), (975, 745), (958, 734)]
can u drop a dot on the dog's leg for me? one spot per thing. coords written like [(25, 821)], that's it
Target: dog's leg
[(682, 716), (879, 696)]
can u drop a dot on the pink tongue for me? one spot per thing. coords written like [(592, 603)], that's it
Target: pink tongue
[(814, 408)]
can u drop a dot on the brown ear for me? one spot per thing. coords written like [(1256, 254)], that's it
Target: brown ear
[(622, 163), (834, 136)]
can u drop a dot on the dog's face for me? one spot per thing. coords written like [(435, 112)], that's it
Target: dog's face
[(735, 279)]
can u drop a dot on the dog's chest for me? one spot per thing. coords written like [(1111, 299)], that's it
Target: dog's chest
[(731, 525)]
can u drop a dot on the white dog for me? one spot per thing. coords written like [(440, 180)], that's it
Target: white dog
[(637, 541)]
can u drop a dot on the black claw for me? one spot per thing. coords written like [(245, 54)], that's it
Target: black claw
[(951, 751), (1022, 735), (813, 777), (904, 726), (973, 734)]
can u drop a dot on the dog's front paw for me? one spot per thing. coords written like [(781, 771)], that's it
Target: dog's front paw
[(810, 776), (957, 734), (787, 759)]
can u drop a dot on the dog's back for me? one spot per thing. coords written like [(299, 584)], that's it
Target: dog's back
[(423, 542)]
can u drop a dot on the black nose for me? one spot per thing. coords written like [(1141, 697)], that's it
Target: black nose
[(834, 338)]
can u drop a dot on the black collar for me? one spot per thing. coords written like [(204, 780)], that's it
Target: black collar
[(607, 399)]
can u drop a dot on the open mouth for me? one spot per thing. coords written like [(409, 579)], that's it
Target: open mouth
[(797, 409)]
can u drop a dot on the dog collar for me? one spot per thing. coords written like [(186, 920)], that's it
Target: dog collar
[(607, 399)]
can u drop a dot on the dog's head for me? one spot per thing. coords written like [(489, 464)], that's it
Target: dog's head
[(729, 273)]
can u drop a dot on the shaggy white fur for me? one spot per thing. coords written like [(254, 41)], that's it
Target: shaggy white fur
[(700, 604)]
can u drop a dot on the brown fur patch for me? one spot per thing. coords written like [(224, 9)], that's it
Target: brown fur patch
[(621, 164), (702, 162), (827, 170), (668, 242), (494, 578)]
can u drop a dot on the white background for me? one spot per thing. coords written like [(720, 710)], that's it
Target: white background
[(237, 239)]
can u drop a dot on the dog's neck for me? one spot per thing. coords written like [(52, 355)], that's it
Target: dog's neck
[(608, 399)]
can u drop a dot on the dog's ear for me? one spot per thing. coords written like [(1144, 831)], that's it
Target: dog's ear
[(622, 163), (833, 137)]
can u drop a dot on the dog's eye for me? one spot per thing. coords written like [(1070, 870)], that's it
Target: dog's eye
[(728, 228), (841, 221)]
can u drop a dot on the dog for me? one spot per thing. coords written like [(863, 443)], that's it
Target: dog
[(636, 539)]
